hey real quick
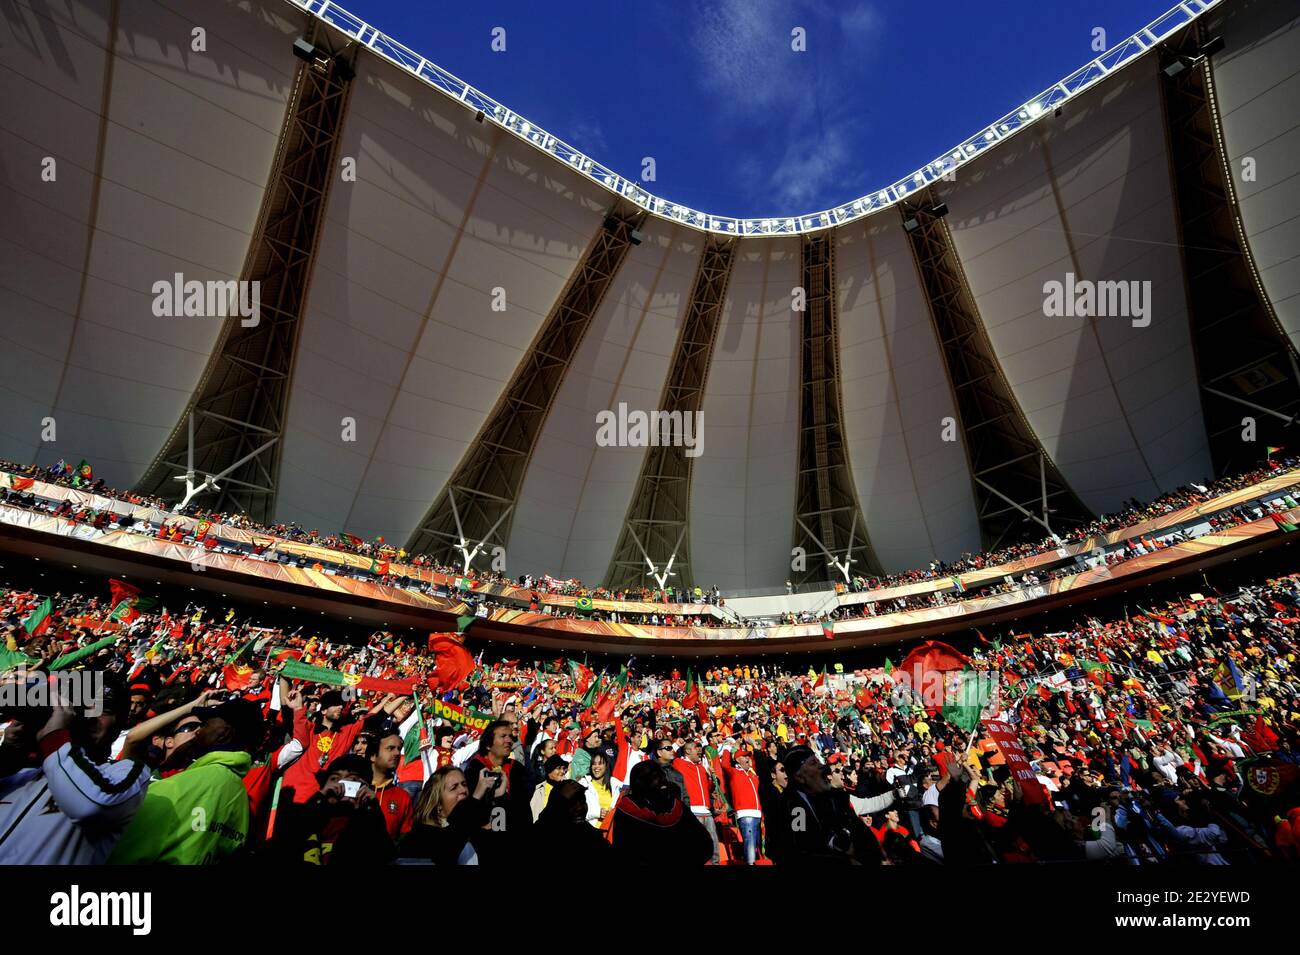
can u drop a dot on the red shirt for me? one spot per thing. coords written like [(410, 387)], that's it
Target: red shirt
[(398, 809)]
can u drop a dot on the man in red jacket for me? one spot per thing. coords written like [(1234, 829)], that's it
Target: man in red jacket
[(322, 743), (394, 802), (742, 781), (699, 792)]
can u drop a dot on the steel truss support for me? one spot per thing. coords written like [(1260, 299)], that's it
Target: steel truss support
[(486, 483), (1018, 490), (826, 515), (234, 424), (660, 507), (1245, 362)]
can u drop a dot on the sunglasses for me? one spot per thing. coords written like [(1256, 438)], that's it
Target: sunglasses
[(188, 728)]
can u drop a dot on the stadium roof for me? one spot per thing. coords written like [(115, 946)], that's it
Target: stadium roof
[(471, 302)]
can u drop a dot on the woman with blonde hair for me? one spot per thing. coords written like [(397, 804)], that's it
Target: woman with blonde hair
[(447, 816)]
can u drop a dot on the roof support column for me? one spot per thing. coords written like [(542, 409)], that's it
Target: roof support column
[(1244, 359), (826, 511), (660, 505), (488, 479), (235, 420), (1007, 461)]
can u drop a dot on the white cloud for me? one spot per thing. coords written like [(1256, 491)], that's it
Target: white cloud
[(744, 56), (816, 171), (587, 135)]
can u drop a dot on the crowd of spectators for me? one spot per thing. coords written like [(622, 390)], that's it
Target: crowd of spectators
[(1166, 737)]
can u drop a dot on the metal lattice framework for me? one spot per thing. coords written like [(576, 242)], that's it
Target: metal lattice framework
[(1245, 361), (472, 514), (1013, 122), (655, 540), (1018, 490), (232, 429), (827, 518)]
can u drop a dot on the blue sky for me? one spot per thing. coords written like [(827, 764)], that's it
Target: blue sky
[(736, 121)]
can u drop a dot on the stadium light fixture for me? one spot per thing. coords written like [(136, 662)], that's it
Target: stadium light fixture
[(911, 224), (304, 50), (1175, 66)]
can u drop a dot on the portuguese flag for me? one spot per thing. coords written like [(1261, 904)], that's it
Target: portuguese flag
[(467, 583), (20, 483), (296, 670), (353, 540), (39, 620), (583, 676), (828, 629), (593, 693), (236, 677), (126, 602), (84, 474), (379, 567), (283, 655), (692, 697)]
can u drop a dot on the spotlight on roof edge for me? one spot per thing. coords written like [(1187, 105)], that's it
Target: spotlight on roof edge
[(1156, 32)]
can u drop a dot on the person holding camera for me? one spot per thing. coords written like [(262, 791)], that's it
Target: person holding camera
[(822, 824), (74, 807), (509, 809), (341, 824)]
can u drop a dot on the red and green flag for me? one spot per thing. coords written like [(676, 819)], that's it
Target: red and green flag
[(828, 629), (583, 676), (297, 670), (20, 483), (38, 621), (84, 474), (126, 602), (379, 567), (692, 697)]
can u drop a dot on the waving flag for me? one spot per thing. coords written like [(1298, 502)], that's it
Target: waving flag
[(452, 662), (38, 622), (295, 670), (126, 602)]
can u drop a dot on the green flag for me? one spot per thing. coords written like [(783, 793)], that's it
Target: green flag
[(13, 658), (238, 654), (593, 692), (966, 705), (76, 656), (889, 666), (411, 742), (462, 623)]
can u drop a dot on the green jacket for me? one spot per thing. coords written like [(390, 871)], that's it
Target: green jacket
[(196, 817)]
